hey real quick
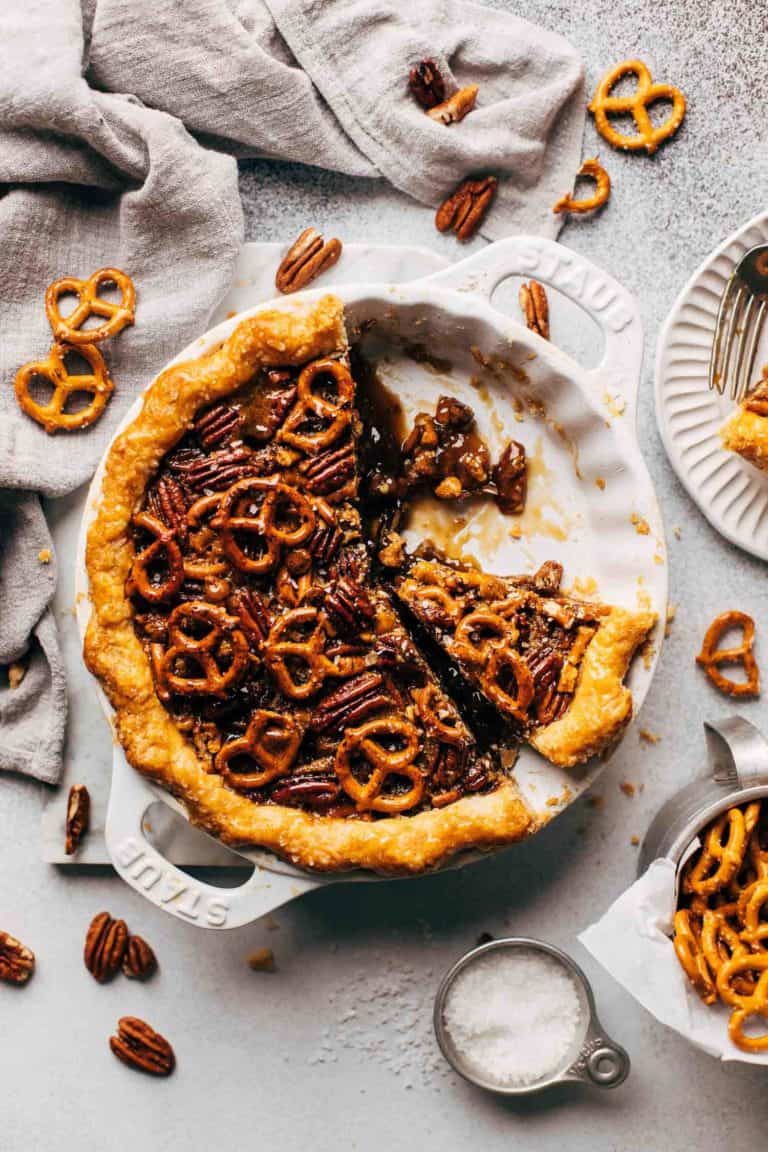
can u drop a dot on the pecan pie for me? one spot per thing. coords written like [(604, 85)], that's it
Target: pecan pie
[(261, 665), (747, 430)]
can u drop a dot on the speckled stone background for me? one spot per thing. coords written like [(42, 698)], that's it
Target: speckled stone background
[(335, 1049)]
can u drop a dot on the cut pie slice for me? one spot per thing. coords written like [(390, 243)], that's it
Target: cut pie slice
[(552, 666), (747, 430)]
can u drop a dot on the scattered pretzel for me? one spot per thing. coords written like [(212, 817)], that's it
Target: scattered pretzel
[(636, 105), (689, 952), (369, 742), (271, 739), (288, 659), (69, 329), (595, 171), (164, 544), (220, 653), (310, 407), (264, 526), (711, 656), (53, 415)]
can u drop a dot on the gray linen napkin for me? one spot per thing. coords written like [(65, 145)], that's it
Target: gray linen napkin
[(119, 124)]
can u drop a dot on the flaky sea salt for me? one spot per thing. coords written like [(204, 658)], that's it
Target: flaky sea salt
[(514, 1015)]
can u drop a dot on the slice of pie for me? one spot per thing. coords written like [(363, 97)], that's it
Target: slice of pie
[(747, 430), (552, 666)]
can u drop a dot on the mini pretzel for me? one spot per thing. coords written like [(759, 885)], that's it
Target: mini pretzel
[(439, 718), (366, 742), (221, 640), (711, 656), (52, 415), (720, 942), (689, 952), (755, 930), (207, 561), (271, 739), (595, 171), (745, 1004), (727, 854), (164, 544), (437, 595), (282, 656), (506, 659), (478, 634), (238, 515), (69, 329), (309, 407), (636, 104)]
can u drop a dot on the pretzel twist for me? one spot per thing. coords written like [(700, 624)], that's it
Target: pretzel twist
[(271, 740), (594, 170), (164, 543), (478, 634), (711, 656), (721, 858), (366, 743), (69, 329), (289, 659), (504, 660), (720, 942), (207, 561), (440, 720), (689, 952), (755, 930), (239, 515), (309, 408), (52, 415), (222, 640), (745, 1004), (636, 105)]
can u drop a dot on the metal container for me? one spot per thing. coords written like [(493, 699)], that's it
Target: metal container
[(593, 1059), (737, 772)]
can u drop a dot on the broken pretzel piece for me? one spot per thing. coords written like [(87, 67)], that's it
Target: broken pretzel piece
[(594, 171), (456, 107)]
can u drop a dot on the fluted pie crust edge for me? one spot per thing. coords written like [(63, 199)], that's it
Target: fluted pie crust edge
[(153, 744)]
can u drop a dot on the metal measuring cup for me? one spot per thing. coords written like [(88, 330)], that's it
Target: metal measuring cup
[(593, 1058)]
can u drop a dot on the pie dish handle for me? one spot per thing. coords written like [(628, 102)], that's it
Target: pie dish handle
[(146, 870), (611, 306)]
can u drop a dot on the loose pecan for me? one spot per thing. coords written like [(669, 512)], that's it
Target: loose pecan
[(78, 817), (105, 944), (456, 107), (139, 961), (17, 962), (219, 470), (349, 605), (254, 615), (218, 425), (305, 260), (465, 209), (510, 476), (426, 84), (535, 307), (327, 473), (351, 703), (140, 1047)]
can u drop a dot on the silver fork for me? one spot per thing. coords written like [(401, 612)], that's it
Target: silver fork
[(739, 323)]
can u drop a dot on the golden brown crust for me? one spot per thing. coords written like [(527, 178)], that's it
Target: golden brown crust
[(602, 706), (747, 433), (152, 742)]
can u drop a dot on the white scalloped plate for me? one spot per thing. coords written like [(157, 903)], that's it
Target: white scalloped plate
[(732, 494)]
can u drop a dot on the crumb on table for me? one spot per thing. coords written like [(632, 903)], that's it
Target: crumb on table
[(634, 841), (45, 556), (648, 736), (262, 960), (627, 787)]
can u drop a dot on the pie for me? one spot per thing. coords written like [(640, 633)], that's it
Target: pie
[(747, 430), (267, 669)]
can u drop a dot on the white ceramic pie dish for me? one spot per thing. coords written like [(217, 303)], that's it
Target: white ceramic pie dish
[(591, 504)]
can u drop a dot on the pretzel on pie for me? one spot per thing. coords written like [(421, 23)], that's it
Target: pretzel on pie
[(165, 546), (478, 634), (69, 329), (53, 415), (260, 509), (271, 741), (369, 743), (711, 656), (502, 662), (636, 104), (300, 665), (440, 720), (207, 561), (206, 637), (311, 407), (595, 171)]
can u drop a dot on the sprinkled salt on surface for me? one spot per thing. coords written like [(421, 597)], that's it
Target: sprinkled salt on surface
[(513, 1016)]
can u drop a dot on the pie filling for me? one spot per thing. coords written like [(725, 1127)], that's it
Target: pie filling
[(278, 609)]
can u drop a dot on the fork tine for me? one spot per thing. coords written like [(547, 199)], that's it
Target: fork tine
[(744, 335), (730, 331), (716, 372), (745, 372)]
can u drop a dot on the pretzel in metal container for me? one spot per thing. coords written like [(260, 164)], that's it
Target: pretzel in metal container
[(689, 951)]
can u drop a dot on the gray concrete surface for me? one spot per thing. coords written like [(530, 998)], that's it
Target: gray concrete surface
[(335, 1049)]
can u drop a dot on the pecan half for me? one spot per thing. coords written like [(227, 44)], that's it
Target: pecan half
[(535, 307), (140, 1047), (426, 84), (139, 961), (17, 962), (219, 470), (510, 476), (218, 425), (167, 502), (324, 542), (456, 107), (351, 703), (305, 260), (78, 817), (466, 208), (348, 605), (105, 944), (319, 791), (254, 615), (327, 473)]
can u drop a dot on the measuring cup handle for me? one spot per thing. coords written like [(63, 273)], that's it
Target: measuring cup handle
[(602, 1062)]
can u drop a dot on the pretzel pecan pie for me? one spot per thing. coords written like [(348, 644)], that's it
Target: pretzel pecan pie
[(261, 664), (747, 430)]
